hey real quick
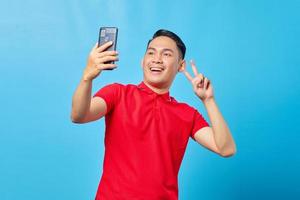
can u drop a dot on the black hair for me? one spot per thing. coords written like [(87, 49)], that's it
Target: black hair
[(180, 45)]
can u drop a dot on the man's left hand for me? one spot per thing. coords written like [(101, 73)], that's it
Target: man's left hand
[(201, 85)]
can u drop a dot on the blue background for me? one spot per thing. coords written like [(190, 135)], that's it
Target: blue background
[(249, 49)]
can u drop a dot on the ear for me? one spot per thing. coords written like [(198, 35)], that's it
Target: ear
[(142, 63), (182, 66)]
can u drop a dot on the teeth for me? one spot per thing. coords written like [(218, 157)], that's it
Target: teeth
[(156, 69)]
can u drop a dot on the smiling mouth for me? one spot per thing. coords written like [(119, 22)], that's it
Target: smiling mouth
[(156, 69)]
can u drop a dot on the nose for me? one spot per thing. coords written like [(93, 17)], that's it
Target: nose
[(157, 58)]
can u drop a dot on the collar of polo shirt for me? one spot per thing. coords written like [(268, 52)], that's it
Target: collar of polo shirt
[(144, 87)]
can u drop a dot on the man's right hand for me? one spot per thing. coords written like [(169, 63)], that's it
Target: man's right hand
[(97, 57)]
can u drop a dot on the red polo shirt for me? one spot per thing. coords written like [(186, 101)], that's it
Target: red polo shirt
[(145, 139)]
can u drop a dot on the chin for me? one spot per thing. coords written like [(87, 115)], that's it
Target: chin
[(156, 83)]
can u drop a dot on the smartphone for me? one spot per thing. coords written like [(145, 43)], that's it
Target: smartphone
[(108, 34)]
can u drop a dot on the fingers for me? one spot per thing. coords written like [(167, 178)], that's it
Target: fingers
[(99, 59), (196, 82), (194, 68), (206, 83), (199, 78), (95, 46), (106, 56), (200, 82), (106, 59), (195, 71), (106, 53), (106, 66), (104, 46), (189, 77)]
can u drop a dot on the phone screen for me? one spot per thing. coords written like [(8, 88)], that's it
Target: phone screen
[(108, 34)]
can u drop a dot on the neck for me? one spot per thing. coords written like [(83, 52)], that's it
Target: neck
[(156, 89)]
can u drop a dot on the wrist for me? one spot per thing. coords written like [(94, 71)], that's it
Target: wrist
[(89, 74), (86, 78), (208, 101)]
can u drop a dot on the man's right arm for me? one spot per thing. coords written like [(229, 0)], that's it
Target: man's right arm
[(84, 107)]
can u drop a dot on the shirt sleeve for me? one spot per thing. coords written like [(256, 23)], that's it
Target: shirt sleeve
[(198, 123), (109, 94)]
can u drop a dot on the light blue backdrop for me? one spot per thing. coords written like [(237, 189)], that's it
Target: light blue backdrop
[(249, 49)]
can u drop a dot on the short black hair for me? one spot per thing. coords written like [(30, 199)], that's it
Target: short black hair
[(179, 43)]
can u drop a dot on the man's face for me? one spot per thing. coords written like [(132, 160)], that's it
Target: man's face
[(161, 62)]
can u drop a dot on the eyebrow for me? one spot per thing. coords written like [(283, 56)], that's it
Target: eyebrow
[(165, 49)]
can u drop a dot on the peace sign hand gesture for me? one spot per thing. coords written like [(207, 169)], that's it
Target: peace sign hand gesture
[(201, 85)]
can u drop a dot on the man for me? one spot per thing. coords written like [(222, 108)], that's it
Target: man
[(147, 130)]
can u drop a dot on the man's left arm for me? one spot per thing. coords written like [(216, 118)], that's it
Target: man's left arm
[(216, 138)]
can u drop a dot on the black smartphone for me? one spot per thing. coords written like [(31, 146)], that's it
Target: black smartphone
[(108, 34)]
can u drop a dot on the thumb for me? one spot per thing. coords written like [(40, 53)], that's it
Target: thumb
[(95, 46)]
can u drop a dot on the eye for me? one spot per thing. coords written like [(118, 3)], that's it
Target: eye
[(167, 54), (150, 53)]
